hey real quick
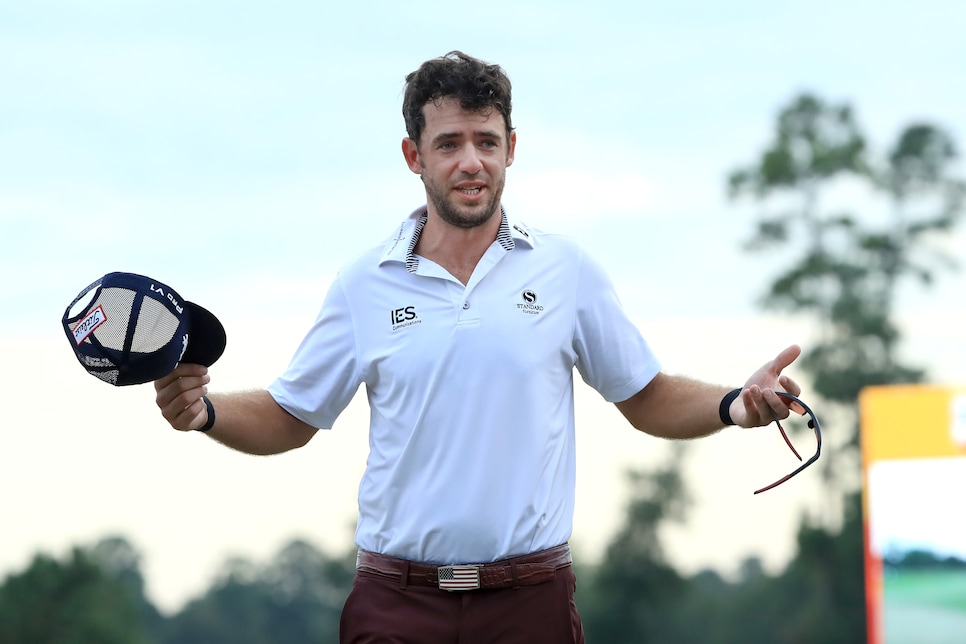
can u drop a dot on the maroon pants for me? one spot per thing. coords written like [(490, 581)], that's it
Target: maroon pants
[(381, 609)]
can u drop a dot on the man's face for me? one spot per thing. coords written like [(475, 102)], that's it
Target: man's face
[(462, 160)]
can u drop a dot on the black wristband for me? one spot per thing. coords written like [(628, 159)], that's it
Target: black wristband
[(211, 415), (724, 409)]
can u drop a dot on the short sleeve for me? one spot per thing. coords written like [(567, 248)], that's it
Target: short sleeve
[(323, 376), (612, 355)]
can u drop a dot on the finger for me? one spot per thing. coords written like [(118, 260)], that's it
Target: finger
[(786, 357), (186, 417), (757, 409), (182, 370), (778, 406), (179, 395), (180, 400), (183, 390), (788, 385), (191, 417)]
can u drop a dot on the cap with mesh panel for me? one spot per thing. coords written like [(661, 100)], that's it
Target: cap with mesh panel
[(135, 329)]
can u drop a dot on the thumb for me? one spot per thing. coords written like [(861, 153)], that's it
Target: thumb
[(786, 357)]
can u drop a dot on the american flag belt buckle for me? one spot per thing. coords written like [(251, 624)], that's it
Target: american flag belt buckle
[(462, 577)]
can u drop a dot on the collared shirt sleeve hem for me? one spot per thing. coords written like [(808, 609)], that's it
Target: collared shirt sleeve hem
[(627, 391), (323, 376)]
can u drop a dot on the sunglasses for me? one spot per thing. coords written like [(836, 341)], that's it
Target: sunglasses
[(798, 406)]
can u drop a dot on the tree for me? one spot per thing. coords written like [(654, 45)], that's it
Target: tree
[(297, 597), (850, 267), (631, 596), (845, 269), (121, 561), (846, 276), (75, 601)]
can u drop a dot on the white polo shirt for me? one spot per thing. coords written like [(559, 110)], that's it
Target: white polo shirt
[(471, 389)]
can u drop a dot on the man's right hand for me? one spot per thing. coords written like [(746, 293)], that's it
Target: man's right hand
[(179, 396)]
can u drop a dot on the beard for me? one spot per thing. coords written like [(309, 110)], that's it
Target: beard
[(454, 214)]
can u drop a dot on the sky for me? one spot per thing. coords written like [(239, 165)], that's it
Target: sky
[(243, 151)]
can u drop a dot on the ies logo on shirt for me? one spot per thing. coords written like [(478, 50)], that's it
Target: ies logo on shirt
[(403, 317)]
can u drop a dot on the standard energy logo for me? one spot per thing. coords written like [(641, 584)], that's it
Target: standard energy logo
[(403, 317), (529, 305)]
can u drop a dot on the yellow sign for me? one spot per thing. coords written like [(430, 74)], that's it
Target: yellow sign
[(912, 421)]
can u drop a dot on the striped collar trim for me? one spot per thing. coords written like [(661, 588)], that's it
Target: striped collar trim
[(401, 247)]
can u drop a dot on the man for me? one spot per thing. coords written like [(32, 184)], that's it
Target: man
[(465, 327)]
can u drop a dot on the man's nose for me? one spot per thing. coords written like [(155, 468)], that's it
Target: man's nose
[(470, 162)]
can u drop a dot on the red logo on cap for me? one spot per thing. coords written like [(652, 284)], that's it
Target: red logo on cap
[(86, 326)]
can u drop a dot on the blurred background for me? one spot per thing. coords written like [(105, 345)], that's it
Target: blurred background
[(751, 174)]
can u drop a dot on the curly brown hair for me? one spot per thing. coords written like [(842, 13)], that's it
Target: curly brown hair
[(479, 87)]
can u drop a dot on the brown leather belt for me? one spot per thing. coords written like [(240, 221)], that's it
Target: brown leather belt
[(524, 570)]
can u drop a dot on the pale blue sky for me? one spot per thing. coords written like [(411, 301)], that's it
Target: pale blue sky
[(242, 151)]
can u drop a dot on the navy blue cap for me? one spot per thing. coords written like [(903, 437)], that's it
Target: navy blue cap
[(129, 329)]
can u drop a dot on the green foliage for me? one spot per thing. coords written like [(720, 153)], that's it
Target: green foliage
[(844, 271), (96, 595), (827, 578), (846, 276), (849, 268), (814, 141), (918, 559), (297, 597), (919, 162), (75, 601), (632, 591), (636, 596)]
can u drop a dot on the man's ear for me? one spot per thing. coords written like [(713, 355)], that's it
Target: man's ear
[(512, 149), (411, 153)]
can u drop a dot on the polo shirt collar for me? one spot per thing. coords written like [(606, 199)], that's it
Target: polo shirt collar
[(401, 245)]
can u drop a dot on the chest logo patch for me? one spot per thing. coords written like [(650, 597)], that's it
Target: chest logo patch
[(529, 304), (403, 317)]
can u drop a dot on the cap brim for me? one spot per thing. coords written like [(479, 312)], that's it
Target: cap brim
[(206, 337)]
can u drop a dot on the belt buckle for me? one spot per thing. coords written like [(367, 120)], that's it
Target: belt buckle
[(460, 577)]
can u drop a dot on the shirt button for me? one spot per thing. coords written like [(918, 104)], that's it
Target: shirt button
[(466, 305)]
